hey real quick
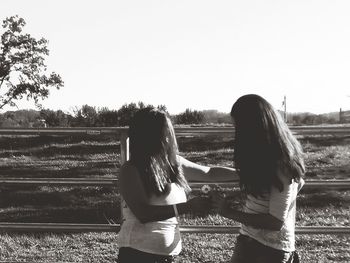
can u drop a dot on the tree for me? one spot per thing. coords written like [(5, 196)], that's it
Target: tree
[(19, 118), (190, 117), (214, 116), (85, 116), (126, 112), (55, 118), (23, 72), (107, 118)]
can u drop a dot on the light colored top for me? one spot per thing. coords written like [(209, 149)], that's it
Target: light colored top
[(281, 205), (158, 237)]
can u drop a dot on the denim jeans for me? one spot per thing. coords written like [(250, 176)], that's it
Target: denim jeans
[(248, 250), (130, 255)]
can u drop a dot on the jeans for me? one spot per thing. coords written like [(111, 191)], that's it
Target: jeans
[(248, 250), (130, 255)]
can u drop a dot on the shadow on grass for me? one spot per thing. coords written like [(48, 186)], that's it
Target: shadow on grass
[(87, 171), (82, 215), (28, 141), (81, 149), (326, 140), (76, 205), (56, 196), (316, 199), (82, 159), (204, 143), (216, 158)]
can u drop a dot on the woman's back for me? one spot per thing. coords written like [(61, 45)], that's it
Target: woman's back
[(158, 237), (280, 204)]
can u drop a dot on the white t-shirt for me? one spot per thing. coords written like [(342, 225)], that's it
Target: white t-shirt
[(281, 205), (158, 237)]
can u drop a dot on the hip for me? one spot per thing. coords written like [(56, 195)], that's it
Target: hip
[(127, 255), (248, 250), (157, 240)]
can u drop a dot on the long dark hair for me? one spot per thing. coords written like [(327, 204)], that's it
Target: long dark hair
[(153, 151), (263, 146)]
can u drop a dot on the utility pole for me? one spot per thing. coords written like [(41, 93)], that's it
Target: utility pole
[(285, 108)]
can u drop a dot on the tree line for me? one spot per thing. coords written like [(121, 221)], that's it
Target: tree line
[(307, 118), (89, 116)]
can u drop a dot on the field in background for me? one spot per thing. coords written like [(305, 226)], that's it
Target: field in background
[(89, 156)]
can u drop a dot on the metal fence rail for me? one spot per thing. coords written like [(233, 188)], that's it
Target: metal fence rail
[(58, 181), (301, 130), (113, 182), (63, 131), (180, 131), (208, 229), (309, 184), (235, 229)]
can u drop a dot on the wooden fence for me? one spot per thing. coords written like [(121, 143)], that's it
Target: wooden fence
[(122, 132)]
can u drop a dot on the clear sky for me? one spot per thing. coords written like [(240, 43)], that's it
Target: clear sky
[(197, 54)]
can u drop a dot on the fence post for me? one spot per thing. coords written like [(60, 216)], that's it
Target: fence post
[(124, 147), (124, 156)]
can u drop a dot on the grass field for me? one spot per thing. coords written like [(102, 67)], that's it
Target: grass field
[(81, 157)]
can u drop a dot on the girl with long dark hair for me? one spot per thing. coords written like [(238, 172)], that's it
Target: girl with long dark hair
[(270, 166), (154, 188)]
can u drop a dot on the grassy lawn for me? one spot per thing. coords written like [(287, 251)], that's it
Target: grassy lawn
[(88, 156), (101, 247)]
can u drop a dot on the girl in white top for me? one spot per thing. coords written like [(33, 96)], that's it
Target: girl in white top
[(269, 162), (154, 189)]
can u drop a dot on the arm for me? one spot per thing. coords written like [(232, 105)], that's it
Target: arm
[(136, 198), (262, 221), (279, 207), (197, 172)]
